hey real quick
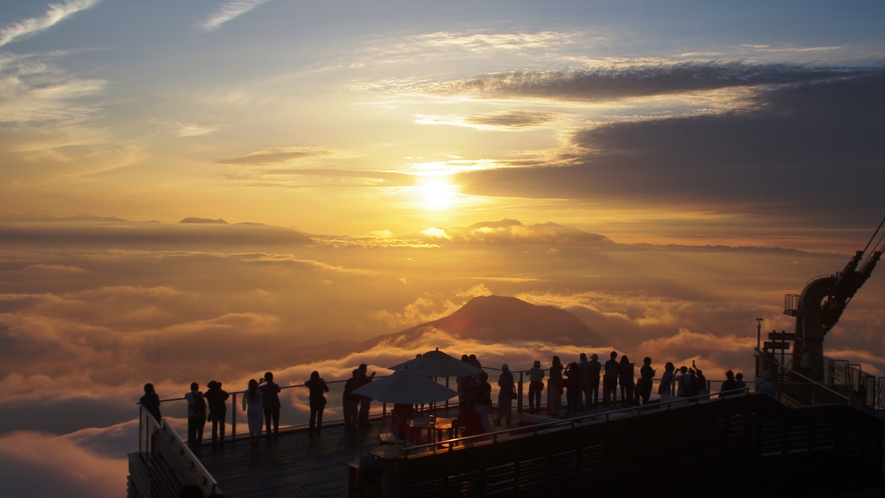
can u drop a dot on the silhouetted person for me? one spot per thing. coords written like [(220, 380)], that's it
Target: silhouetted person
[(595, 368), (666, 379), (739, 377), (470, 419), (646, 376), (317, 399), (572, 387), (365, 401), (350, 401), (536, 385), (505, 395), (402, 413), (683, 382), (150, 401), (626, 374), (554, 387), (217, 409), (701, 380), (585, 367), (610, 381), (196, 416), (270, 396), (460, 379), (254, 408), (484, 399), (730, 384), (472, 359)]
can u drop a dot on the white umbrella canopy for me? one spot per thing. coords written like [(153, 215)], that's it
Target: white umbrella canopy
[(438, 364), (406, 386)]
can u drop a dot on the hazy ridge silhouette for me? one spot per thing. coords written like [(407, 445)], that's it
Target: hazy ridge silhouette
[(489, 319)]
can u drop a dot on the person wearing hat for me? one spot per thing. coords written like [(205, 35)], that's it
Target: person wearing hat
[(505, 395), (215, 398), (536, 385)]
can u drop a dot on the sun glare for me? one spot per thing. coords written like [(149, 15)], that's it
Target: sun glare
[(438, 193)]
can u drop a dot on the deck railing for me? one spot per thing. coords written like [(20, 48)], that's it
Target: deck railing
[(571, 422), (295, 396), (164, 462)]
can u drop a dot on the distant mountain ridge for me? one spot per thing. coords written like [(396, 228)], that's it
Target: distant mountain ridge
[(489, 319)]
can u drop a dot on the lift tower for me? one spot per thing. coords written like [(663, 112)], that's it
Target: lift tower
[(819, 307)]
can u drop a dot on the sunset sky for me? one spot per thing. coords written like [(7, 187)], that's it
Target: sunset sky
[(718, 156)]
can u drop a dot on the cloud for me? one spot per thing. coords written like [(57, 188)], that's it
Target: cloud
[(36, 464), (735, 161), (34, 91), (228, 12), (509, 120), (509, 231), (182, 130), (624, 79), (285, 155), (55, 14)]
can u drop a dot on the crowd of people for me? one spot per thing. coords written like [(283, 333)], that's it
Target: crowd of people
[(580, 381)]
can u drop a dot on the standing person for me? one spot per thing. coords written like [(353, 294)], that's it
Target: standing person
[(460, 379), (484, 399), (646, 376), (196, 416), (729, 385), (536, 385), (507, 389), (595, 368), (586, 372), (317, 400), (572, 387), (270, 396), (351, 401), (150, 401), (254, 408), (554, 387), (739, 377), (217, 409), (701, 388), (610, 381), (666, 379), (365, 401), (683, 382), (626, 378)]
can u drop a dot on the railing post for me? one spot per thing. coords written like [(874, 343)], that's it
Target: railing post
[(233, 419), (519, 394), (447, 401)]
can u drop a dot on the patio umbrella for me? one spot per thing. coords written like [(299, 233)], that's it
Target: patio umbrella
[(438, 364), (406, 386)]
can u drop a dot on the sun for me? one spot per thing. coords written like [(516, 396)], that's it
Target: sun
[(438, 193)]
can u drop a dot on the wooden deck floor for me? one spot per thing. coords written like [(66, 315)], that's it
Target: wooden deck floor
[(296, 464)]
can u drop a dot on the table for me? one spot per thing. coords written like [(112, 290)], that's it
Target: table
[(417, 425)]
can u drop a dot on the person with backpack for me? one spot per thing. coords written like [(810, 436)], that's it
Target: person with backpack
[(217, 409), (196, 416)]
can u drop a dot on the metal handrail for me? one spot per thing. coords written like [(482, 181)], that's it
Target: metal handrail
[(195, 462), (151, 426), (450, 444)]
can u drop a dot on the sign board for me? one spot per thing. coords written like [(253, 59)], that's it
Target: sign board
[(781, 336), (777, 345)]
